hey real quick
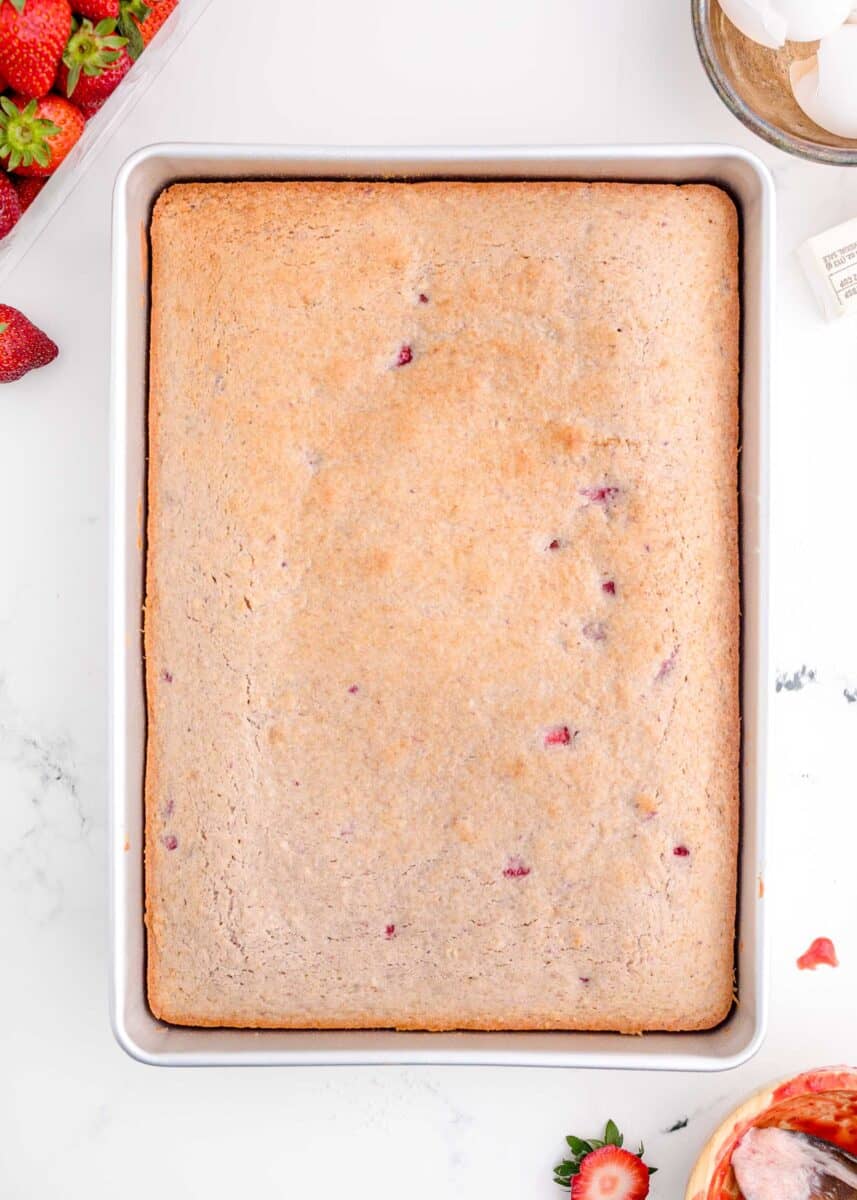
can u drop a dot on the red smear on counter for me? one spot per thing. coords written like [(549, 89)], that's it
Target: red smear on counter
[(822, 953)]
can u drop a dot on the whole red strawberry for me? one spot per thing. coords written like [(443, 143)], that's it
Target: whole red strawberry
[(98, 10), (94, 63), (140, 20), (23, 346), (10, 205), (601, 1167), (33, 34), (27, 190), (37, 135)]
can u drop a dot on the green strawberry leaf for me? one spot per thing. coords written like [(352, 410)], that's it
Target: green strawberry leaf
[(130, 13), (612, 1136), (578, 1146)]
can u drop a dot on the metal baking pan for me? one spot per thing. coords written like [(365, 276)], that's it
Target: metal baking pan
[(139, 183)]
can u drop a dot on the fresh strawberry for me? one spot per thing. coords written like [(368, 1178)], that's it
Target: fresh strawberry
[(27, 190), (140, 20), (94, 63), (22, 345), (98, 10), (93, 90), (10, 204), (600, 1168), (33, 34), (36, 136)]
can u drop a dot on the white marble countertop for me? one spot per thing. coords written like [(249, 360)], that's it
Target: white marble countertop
[(77, 1117)]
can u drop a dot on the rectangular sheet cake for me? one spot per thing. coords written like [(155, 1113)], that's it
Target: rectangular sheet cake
[(442, 612)]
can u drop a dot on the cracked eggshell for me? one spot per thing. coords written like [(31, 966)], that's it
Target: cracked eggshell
[(825, 86), (774, 22)]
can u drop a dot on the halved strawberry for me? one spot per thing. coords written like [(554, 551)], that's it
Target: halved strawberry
[(36, 136), (600, 1169), (611, 1173), (93, 65)]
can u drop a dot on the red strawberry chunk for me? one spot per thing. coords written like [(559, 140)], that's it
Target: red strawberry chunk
[(389, 932), (559, 735), (681, 851), (516, 868), (600, 495), (406, 355), (608, 587), (611, 1173)]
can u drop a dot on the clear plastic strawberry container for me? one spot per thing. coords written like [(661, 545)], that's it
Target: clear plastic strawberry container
[(116, 109)]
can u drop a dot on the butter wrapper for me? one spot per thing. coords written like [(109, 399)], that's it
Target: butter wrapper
[(830, 263)]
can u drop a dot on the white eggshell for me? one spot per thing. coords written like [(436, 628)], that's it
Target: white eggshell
[(774, 22), (808, 20), (757, 20), (825, 86)]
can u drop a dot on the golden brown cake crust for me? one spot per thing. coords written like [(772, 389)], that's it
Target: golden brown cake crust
[(442, 606)]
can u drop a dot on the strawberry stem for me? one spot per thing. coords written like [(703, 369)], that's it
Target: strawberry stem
[(91, 50), (24, 136)]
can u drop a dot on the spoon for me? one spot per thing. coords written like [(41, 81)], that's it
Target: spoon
[(781, 1164)]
